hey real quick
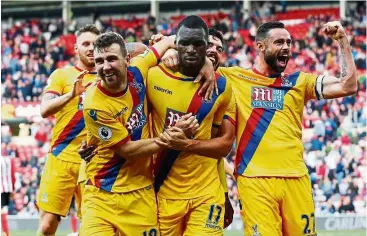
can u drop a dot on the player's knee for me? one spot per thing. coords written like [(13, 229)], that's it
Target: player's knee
[(48, 224), (46, 228)]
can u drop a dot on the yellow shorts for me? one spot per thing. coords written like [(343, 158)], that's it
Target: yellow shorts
[(58, 184), (82, 177), (131, 213), (277, 206), (198, 217), (79, 198)]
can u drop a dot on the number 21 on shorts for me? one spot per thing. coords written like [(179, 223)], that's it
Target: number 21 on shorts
[(307, 230)]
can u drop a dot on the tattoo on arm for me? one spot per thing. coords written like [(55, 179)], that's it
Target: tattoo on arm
[(49, 96), (343, 61)]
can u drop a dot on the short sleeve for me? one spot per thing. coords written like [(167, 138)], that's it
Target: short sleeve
[(313, 86), (231, 112), (105, 128), (56, 83), (225, 71), (146, 60), (219, 114)]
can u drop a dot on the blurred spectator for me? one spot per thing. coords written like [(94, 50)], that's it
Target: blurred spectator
[(347, 206), (41, 135)]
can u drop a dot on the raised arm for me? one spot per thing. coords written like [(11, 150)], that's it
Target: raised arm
[(330, 86), (52, 102)]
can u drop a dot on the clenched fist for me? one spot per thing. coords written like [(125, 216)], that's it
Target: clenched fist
[(334, 30)]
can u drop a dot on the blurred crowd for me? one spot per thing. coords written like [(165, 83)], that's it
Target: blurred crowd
[(334, 131)]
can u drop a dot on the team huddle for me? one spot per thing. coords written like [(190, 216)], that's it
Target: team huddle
[(158, 121)]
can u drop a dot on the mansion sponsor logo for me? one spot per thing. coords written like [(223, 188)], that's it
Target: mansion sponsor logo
[(264, 97)]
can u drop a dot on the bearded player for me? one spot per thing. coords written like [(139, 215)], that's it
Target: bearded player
[(269, 160)]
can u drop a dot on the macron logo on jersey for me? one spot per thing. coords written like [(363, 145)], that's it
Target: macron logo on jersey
[(264, 97), (163, 90)]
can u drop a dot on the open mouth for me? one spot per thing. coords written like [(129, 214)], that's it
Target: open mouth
[(108, 76), (282, 60)]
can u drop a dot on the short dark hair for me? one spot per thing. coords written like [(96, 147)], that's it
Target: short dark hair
[(263, 30), (107, 39), (215, 33), (193, 22), (88, 28)]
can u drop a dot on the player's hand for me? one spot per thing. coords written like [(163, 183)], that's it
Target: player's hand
[(210, 82), (334, 30), (173, 138), (155, 38), (189, 124), (87, 152), (228, 212), (78, 87), (170, 59)]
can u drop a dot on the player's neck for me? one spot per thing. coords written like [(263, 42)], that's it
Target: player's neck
[(261, 67), (190, 72), (84, 67)]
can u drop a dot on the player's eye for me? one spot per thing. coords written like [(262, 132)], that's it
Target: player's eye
[(184, 43), (97, 61)]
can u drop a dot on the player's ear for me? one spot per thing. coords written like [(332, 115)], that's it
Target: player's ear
[(127, 59), (261, 45), (76, 48)]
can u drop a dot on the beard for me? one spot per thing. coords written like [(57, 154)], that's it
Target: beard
[(115, 81), (86, 61), (272, 61)]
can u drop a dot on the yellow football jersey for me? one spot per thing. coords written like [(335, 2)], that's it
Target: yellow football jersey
[(112, 119), (68, 131), (183, 175), (269, 116)]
